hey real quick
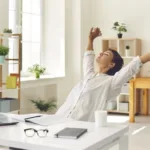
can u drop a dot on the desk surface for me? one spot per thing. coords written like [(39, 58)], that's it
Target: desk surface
[(14, 136)]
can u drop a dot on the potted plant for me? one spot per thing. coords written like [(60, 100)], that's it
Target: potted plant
[(44, 105), (7, 32), (3, 52), (120, 28), (127, 50), (37, 70)]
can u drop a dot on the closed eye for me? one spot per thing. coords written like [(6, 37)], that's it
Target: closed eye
[(106, 54)]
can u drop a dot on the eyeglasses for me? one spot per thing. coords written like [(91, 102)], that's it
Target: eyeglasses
[(30, 132)]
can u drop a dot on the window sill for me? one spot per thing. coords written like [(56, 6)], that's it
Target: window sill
[(43, 80)]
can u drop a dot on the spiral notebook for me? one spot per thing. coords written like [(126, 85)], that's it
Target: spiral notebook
[(71, 133)]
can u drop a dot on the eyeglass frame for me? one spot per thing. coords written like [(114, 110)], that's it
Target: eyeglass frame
[(36, 131)]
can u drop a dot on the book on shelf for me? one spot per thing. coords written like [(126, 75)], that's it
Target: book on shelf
[(11, 82)]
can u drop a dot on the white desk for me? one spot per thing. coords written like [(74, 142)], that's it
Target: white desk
[(95, 139)]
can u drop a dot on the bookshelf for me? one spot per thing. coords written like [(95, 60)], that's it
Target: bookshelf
[(128, 48), (10, 97)]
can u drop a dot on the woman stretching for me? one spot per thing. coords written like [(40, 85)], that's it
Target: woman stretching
[(97, 89)]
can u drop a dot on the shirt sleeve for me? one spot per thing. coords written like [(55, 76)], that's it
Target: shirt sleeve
[(126, 73), (88, 63)]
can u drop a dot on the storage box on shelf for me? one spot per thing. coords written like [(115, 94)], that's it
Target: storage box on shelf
[(128, 48), (10, 74)]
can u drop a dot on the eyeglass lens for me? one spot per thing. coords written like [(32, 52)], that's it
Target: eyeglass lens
[(42, 133), (30, 132)]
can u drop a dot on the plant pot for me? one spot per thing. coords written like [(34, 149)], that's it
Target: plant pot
[(2, 59), (37, 75), (119, 35)]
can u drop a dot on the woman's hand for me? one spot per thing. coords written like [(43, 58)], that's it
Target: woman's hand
[(94, 33)]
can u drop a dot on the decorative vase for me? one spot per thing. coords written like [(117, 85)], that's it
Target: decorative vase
[(119, 35), (2, 59), (37, 75)]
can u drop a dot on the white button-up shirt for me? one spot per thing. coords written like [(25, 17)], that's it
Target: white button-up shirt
[(95, 90)]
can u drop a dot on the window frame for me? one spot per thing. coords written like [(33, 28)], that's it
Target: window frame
[(18, 22)]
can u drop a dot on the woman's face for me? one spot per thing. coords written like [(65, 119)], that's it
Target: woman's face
[(105, 59)]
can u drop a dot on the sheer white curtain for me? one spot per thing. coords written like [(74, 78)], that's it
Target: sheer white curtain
[(12, 14), (31, 29)]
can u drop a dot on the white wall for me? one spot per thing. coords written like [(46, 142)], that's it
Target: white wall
[(77, 25), (134, 13), (54, 35), (43, 92), (3, 14)]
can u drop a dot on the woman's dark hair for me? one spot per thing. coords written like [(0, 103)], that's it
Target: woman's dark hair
[(117, 59)]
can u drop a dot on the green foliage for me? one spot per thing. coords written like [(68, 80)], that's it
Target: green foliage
[(7, 30), (44, 106), (37, 69), (4, 50), (119, 27)]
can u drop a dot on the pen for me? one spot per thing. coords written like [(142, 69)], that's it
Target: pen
[(33, 117)]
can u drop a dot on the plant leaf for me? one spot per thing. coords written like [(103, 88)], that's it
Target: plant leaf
[(116, 24), (36, 68), (43, 105)]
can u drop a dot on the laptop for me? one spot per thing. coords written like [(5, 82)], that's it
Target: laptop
[(4, 121), (71, 133)]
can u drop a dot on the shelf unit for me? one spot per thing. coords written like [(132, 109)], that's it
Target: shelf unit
[(118, 112), (13, 61), (135, 50)]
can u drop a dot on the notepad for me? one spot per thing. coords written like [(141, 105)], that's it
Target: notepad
[(11, 82), (71, 133)]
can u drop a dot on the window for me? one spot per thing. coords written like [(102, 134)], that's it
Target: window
[(12, 14), (27, 14), (42, 33), (14, 24)]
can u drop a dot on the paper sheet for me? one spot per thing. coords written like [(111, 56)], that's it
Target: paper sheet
[(22, 117), (44, 120), (48, 120)]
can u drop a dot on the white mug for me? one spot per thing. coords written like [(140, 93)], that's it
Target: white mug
[(100, 118)]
